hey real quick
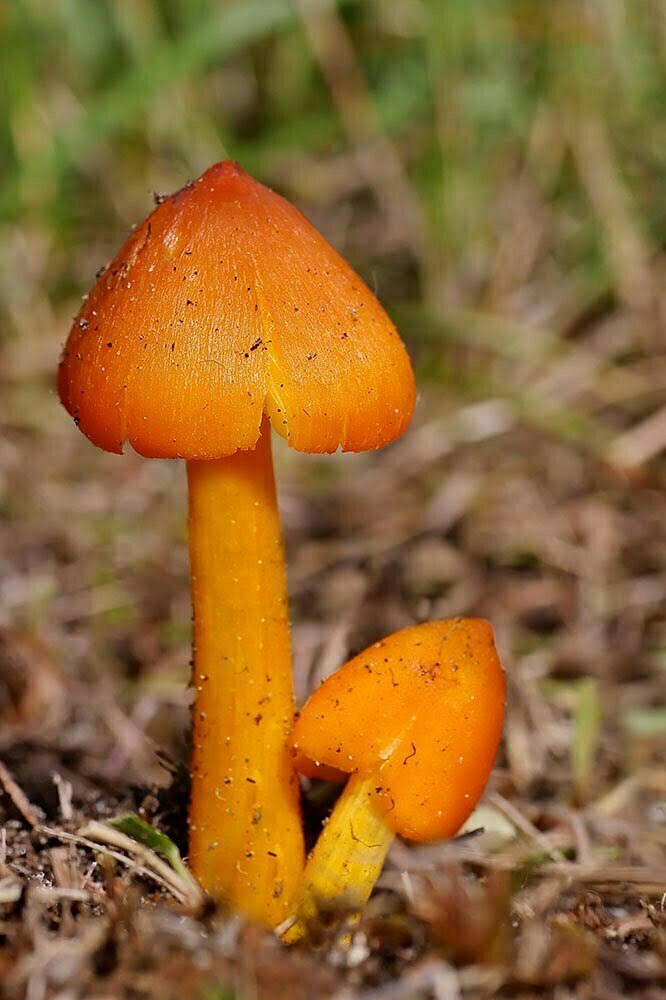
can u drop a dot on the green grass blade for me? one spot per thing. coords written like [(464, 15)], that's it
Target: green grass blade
[(133, 826)]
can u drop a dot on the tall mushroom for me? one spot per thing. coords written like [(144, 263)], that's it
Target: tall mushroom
[(226, 312), (415, 720)]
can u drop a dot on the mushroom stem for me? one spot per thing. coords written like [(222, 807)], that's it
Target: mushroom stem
[(246, 843), (346, 861)]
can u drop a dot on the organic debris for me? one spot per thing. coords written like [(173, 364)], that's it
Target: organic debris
[(496, 173)]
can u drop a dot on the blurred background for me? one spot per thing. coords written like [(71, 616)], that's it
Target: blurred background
[(496, 171)]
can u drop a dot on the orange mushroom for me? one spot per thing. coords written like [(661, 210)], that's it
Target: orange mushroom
[(226, 312), (415, 720)]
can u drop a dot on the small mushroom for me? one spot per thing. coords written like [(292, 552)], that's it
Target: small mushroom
[(226, 313), (415, 720)]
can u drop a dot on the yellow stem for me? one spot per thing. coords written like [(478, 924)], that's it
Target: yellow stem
[(246, 843), (346, 861)]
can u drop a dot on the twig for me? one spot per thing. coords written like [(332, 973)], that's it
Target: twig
[(172, 884), (182, 879), (54, 893), (640, 443), (182, 882), (524, 824), (64, 796), (29, 812), (648, 878)]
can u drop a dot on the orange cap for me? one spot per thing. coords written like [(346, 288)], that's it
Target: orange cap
[(422, 711), (225, 304)]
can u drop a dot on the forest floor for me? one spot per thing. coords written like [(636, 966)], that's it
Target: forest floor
[(496, 174), (557, 891)]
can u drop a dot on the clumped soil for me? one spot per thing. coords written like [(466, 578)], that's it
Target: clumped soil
[(557, 891)]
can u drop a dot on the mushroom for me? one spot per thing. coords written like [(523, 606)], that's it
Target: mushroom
[(416, 720), (226, 313)]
